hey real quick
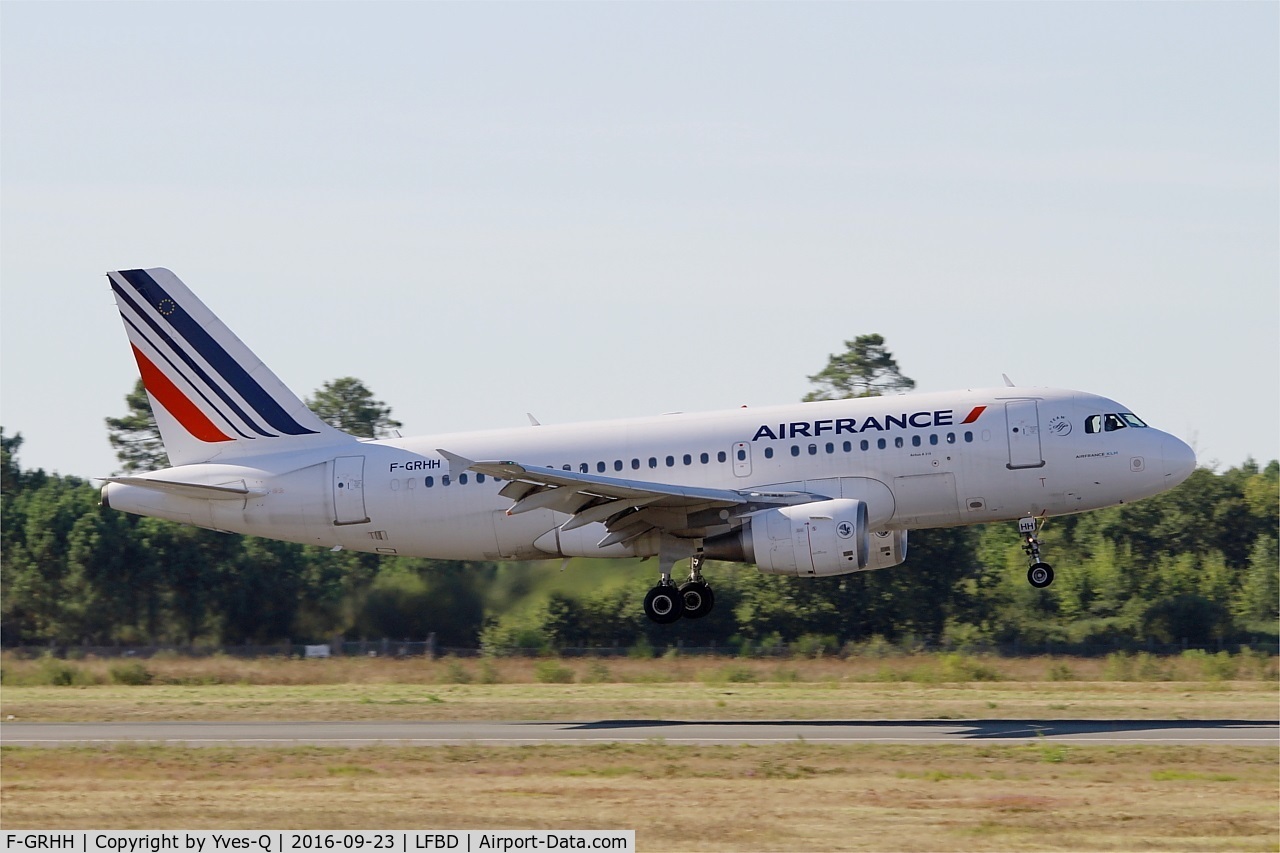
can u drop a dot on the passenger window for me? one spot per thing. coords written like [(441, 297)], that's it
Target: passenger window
[(831, 448), (428, 481), (813, 450), (968, 437), (479, 478), (599, 467), (688, 460), (933, 439), (721, 457), (617, 464), (583, 468), (795, 450), (444, 481), (635, 464), (704, 458), (768, 453), (462, 479), (671, 461), (566, 467), (951, 438), (881, 443), (865, 445), (653, 462), (848, 445), (742, 455), (915, 441), (898, 442)]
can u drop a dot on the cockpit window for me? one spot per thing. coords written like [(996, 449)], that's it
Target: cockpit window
[(1112, 422)]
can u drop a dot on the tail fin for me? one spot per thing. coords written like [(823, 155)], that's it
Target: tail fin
[(212, 397)]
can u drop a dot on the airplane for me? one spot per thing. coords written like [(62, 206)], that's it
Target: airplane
[(810, 489)]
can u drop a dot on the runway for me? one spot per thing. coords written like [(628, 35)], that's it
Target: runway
[(1082, 732)]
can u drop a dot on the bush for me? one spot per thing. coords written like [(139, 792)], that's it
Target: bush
[(731, 673), (1219, 667), (52, 672), (489, 672), (1059, 671), (641, 649), (1257, 664), (814, 646), (455, 672), (132, 673), (551, 671), (876, 646), (1119, 667), (598, 673)]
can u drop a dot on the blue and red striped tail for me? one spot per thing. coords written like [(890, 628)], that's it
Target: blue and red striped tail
[(211, 395)]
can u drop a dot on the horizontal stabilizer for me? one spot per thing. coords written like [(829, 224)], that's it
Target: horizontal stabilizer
[(199, 491)]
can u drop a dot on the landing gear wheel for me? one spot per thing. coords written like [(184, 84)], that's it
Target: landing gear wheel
[(698, 599), (664, 604), (1040, 575)]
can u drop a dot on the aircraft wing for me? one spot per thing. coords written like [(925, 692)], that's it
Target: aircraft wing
[(628, 508)]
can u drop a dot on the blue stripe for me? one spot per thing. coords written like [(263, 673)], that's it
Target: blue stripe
[(213, 353), (199, 371), (178, 371)]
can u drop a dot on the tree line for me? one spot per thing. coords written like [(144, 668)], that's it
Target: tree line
[(1198, 564)]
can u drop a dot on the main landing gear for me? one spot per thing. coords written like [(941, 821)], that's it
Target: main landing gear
[(1040, 574), (693, 599)]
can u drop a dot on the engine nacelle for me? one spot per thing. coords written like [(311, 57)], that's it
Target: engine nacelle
[(888, 548), (810, 540)]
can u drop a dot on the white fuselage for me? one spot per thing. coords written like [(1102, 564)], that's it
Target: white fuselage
[(916, 461)]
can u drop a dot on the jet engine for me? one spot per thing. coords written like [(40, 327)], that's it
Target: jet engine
[(810, 540)]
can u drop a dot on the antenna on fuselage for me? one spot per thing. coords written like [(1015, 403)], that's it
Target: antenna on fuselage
[(1007, 381)]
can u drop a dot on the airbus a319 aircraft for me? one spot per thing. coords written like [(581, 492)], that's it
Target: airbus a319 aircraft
[(810, 489)]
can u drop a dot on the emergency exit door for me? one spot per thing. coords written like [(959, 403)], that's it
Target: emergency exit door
[(1023, 423), (348, 490)]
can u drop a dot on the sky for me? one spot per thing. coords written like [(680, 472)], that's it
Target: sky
[(599, 210)]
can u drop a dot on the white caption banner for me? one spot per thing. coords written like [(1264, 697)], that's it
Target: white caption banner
[(300, 841)]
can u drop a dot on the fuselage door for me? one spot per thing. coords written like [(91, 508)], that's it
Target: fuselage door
[(1023, 420), (742, 459), (348, 490)]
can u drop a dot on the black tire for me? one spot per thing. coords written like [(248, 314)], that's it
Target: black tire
[(1040, 575), (698, 599), (664, 604)]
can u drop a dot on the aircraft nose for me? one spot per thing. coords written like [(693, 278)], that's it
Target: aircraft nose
[(1179, 460)]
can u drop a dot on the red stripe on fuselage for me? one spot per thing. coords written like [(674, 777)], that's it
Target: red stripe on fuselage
[(175, 402), (974, 415)]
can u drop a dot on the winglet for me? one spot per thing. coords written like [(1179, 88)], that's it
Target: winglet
[(457, 464)]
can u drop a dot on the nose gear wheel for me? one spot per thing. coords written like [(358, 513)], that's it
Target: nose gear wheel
[(1040, 573)]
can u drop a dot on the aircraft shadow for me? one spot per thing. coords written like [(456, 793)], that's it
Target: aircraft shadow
[(963, 729)]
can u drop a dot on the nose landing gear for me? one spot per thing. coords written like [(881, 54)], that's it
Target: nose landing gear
[(1040, 574)]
